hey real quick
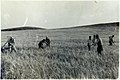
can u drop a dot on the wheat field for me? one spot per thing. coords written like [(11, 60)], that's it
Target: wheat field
[(67, 58)]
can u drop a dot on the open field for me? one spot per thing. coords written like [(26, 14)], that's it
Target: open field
[(67, 57)]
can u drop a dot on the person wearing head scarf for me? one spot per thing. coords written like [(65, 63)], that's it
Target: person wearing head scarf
[(11, 44), (99, 44)]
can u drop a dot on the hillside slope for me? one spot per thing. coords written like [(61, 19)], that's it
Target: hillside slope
[(22, 28)]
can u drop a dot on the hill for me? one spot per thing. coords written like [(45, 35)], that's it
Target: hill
[(22, 28), (95, 25), (92, 25)]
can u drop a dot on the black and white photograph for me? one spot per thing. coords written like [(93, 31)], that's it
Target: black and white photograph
[(59, 39)]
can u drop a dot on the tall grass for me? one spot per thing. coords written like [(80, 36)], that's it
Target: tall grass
[(67, 58), (60, 62)]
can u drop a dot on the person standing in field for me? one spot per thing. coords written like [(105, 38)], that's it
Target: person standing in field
[(111, 41), (93, 40), (47, 41), (89, 43), (99, 44), (11, 44)]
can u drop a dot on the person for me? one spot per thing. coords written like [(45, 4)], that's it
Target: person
[(47, 41), (11, 44), (93, 40), (89, 44), (111, 41), (99, 44), (41, 44)]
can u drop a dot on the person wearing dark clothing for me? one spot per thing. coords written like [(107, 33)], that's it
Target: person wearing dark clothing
[(111, 41), (89, 43), (40, 45), (44, 43), (99, 44), (47, 41), (93, 40)]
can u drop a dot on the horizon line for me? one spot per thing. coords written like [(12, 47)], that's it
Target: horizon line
[(61, 27)]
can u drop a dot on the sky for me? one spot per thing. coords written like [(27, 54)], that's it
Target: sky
[(57, 14)]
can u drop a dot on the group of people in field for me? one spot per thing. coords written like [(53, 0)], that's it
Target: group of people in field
[(97, 41), (11, 44)]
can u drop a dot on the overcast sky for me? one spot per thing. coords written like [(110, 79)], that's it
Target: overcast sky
[(57, 14)]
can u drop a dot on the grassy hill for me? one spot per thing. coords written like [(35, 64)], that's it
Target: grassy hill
[(35, 28), (100, 25), (22, 28)]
